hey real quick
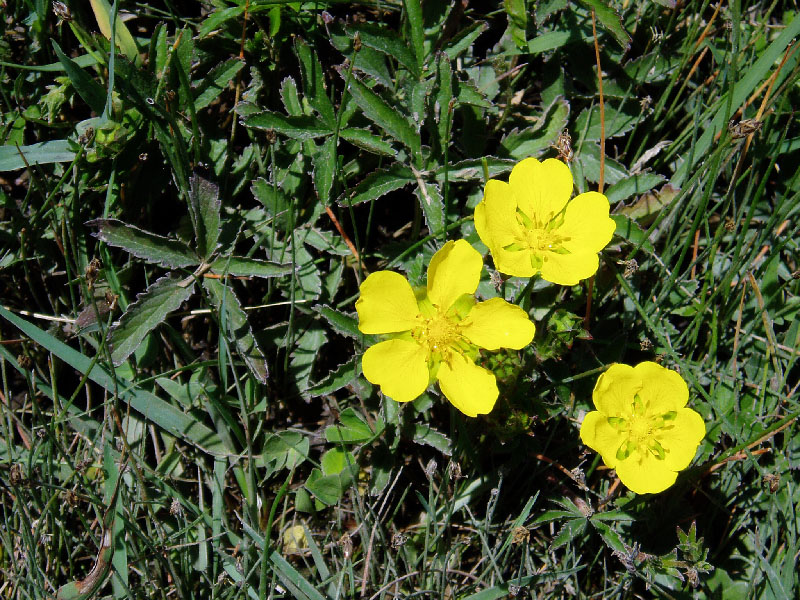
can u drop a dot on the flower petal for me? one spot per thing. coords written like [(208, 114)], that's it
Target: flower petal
[(496, 215), (516, 263), (541, 189), (614, 391), (399, 366), (454, 270), (662, 389), (468, 387), (681, 438), (600, 436), (387, 304), (587, 224), (645, 474), (568, 269), (497, 324)]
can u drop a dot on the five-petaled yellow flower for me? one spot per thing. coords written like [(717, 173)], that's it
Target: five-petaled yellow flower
[(642, 427), (436, 331), (531, 227)]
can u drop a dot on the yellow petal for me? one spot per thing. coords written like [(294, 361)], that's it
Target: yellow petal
[(468, 387), (568, 269), (681, 438), (399, 366), (541, 189), (516, 263), (662, 389), (387, 304), (587, 224), (614, 391), (645, 474), (497, 324), (454, 270), (496, 215), (600, 436)]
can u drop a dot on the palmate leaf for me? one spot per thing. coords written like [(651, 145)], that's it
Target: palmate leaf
[(143, 244), (234, 321), (144, 315)]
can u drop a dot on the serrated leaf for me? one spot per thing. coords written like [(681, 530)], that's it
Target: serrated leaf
[(299, 127), (367, 141), (324, 160), (464, 39), (290, 97), (237, 327), (343, 375), (213, 84), (240, 266), (387, 42), (633, 186), (379, 183), (305, 353), (427, 435), (92, 92), (628, 230), (205, 205), (472, 169), (432, 204), (531, 141), (217, 18), (517, 12), (143, 244), (341, 323), (313, 82), (384, 116), (568, 532), (620, 118), (146, 313), (413, 10), (42, 153), (352, 428), (609, 18)]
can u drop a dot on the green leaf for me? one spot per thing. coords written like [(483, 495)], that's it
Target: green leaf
[(240, 266), (353, 428), (427, 435), (313, 82), (517, 21), (340, 322), (324, 160), (335, 460), (633, 186), (432, 204), (234, 321), (628, 230), (92, 92), (619, 119), (162, 414), (414, 13), (609, 18), (464, 39), (531, 141), (379, 183), (213, 84), (43, 153), (146, 313), (217, 18), (472, 169), (366, 140), (344, 375), (384, 116), (143, 244), (326, 488), (588, 160), (387, 42), (297, 127), (204, 205), (122, 36), (284, 449)]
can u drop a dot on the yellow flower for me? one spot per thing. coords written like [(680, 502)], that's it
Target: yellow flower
[(642, 427), (531, 227), (436, 331)]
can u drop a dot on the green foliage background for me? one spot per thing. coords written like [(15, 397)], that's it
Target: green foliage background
[(183, 227)]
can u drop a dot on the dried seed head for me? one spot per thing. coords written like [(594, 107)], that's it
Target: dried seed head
[(563, 146), (730, 224), (631, 266), (796, 274), (520, 535), (15, 475), (175, 508), (357, 43), (430, 468), (25, 362), (346, 543), (271, 137), (398, 539), (744, 127), (454, 470), (645, 344), (772, 481), (71, 498)]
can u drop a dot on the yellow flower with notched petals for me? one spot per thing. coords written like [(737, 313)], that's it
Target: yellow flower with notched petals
[(436, 331), (531, 227), (642, 427)]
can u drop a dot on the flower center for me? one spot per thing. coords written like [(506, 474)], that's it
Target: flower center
[(437, 333), (640, 430), (541, 240)]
